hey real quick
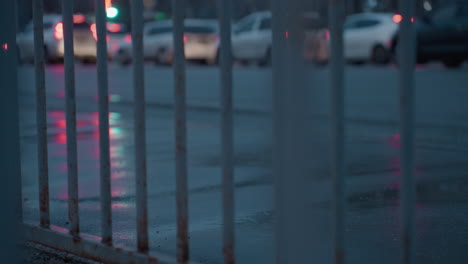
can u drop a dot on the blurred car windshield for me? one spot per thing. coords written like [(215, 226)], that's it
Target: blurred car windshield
[(159, 30), (199, 29)]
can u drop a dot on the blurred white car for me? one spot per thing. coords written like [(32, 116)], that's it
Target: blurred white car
[(252, 38), (116, 35), (201, 41), (368, 37), (84, 41)]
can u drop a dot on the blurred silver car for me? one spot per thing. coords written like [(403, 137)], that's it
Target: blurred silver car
[(200, 37), (252, 38), (84, 41)]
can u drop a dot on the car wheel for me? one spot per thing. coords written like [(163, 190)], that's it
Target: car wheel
[(214, 60), (88, 60), (266, 60), (453, 63), (380, 55), (125, 62), (163, 57), (49, 59)]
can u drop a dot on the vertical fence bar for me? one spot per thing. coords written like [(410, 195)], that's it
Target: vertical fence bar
[(406, 57), (10, 158), (227, 142), (178, 7), (290, 132), (337, 121), (296, 136), (70, 99), (106, 209), (140, 125), (41, 113), (278, 76)]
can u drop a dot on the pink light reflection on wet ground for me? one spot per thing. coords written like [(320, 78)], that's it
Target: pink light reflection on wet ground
[(89, 189)]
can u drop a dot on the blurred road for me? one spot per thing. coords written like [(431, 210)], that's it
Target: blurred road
[(372, 152)]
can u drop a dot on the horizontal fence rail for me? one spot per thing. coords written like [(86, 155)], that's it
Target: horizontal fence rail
[(290, 134)]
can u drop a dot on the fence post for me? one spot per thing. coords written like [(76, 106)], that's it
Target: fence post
[(227, 141), (41, 113), (178, 7), (140, 126), (291, 132), (278, 76), (104, 151), (406, 60), (10, 168), (70, 100), (336, 17)]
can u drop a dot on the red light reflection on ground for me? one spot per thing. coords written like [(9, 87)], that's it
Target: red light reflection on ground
[(61, 123), (57, 114), (61, 137), (395, 141)]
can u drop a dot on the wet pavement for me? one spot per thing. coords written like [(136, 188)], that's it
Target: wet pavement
[(373, 145)]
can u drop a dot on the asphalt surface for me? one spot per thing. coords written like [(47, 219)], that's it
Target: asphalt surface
[(373, 174)]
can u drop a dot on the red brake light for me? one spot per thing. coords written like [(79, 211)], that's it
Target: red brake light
[(114, 28), (58, 31), (286, 34), (93, 30), (397, 18), (185, 38), (128, 38), (5, 46), (78, 19), (412, 20), (327, 34)]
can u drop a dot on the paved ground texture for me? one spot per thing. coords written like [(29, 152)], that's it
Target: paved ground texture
[(373, 172)]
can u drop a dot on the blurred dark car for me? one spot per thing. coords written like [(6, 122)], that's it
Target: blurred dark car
[(442, 35)]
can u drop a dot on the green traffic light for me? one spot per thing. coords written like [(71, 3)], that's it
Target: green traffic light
[(112, 12)]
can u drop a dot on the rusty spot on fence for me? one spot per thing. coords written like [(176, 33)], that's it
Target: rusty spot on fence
[(406, 247), (228, 253), (180, 148), (182, 240), (142, 235), (44, 205), (339, 256)]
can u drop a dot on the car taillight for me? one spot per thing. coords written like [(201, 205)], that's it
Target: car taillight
[(397, 18), (78, 19), (93, 30), (114, 28), (286, 34), (58, 31), (327, 34), (128, 38), (185, 38)]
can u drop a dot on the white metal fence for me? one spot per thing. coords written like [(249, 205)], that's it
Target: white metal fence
[(288, 106)]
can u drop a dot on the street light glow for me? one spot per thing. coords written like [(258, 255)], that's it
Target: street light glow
[(112, 12)]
